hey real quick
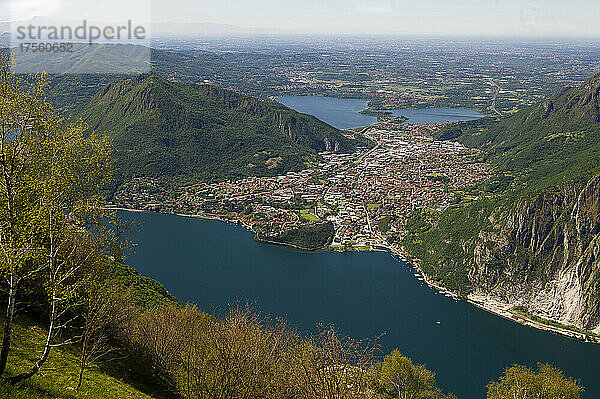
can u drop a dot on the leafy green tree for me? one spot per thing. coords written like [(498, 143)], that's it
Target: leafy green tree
[(52, 224), (23, 116), (400, 378), (522, 382)]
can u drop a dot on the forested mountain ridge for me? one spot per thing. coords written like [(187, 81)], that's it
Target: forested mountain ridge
[(532, 242), (571, 108), (543, 145), (194, 131)]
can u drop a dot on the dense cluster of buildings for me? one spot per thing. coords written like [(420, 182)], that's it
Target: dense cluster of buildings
[(367, 195)]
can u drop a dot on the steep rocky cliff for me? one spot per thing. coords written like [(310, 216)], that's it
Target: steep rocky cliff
[(543, 254), (534, 240), (301, 128)]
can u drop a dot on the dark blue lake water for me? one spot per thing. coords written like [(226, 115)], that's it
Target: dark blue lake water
[(343, 113), (437, 115), (214, 264)]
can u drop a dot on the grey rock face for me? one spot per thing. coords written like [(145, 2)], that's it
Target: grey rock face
[(544, 254)]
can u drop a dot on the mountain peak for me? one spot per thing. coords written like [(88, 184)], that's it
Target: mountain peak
[(165, 129), (555, 140), (593, 82)]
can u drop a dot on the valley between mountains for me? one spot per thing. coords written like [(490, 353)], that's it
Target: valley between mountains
[(503, 211)]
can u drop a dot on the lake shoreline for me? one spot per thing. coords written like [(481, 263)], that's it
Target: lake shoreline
[(484, 303), (491, 305), (328, 109)]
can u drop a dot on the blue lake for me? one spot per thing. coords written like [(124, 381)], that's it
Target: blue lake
[(343, 113), (214, 264), (437, 115)]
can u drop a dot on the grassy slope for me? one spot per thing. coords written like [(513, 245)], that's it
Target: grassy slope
[(59, 375), (189, 131)]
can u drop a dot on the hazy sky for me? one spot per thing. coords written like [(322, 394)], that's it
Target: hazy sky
[(556, 18)]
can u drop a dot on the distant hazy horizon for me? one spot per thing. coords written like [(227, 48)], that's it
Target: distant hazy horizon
[(466, 18)]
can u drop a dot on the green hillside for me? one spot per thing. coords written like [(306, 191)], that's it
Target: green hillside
[(78, 75), (535, 221), (71, 90), (543, 145), (60, 376), (105, 379), (191, 131)]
